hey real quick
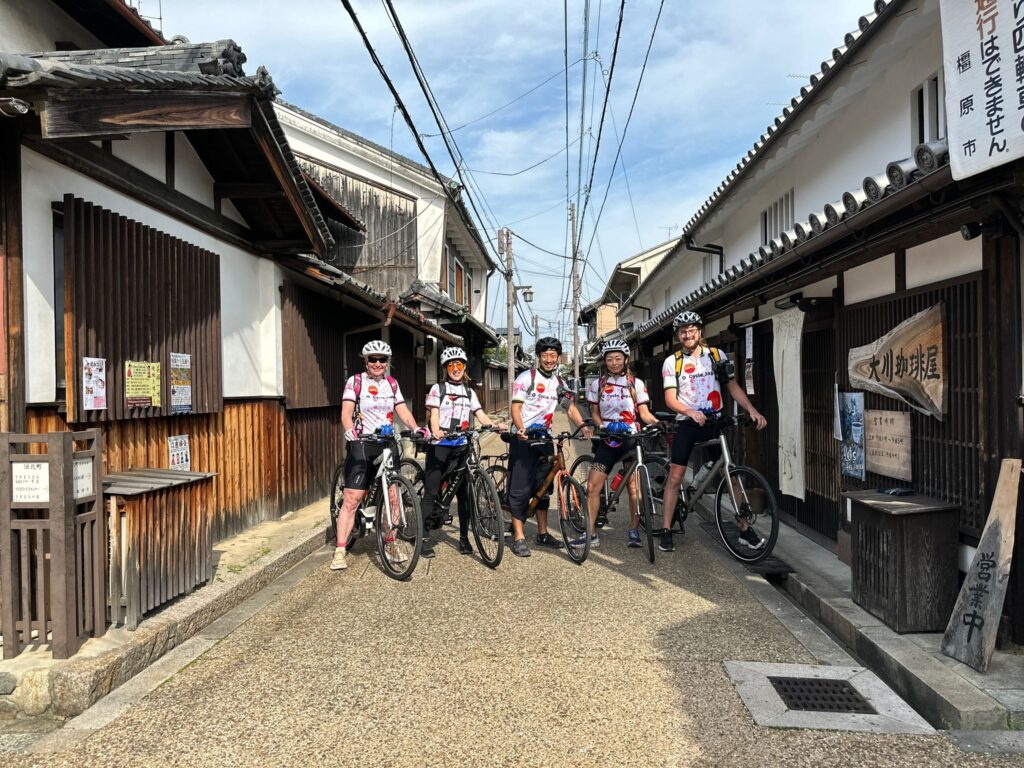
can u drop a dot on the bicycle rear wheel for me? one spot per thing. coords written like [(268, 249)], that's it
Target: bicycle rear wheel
[(657, 469), (574, 518), (580, 471), (337, 498), (750, 526), (646, 507), (412, 471), (499, 475), (488, 526), (400, 534)]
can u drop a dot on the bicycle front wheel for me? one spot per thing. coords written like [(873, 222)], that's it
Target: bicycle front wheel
[(499, 475), (400, 534), (488, 525), (574, 518), (748, 516), (646, 506)]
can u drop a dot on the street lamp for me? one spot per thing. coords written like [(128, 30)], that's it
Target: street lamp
[(527, 292)]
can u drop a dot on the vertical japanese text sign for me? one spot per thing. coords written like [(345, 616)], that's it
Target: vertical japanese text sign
[(983, 61)]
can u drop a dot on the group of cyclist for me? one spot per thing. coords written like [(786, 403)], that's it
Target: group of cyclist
[(693, 379)]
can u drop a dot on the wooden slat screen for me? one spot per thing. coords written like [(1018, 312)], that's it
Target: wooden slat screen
[(949, 457), (135, 293), (313, 348)]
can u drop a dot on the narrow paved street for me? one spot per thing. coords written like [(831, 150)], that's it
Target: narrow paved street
[(539, 663)]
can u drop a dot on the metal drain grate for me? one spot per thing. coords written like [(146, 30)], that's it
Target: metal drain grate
[(810, 694)]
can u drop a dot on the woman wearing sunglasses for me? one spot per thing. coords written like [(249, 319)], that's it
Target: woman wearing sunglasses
[(450, 403)]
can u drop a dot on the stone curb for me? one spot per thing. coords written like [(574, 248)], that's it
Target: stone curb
[(942, 697), (79, 684)]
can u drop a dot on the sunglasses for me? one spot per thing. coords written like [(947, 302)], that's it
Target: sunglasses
[(376, 360), (457, 365)]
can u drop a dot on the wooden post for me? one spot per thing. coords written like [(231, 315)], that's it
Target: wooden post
[(63, 592), (12, 644)]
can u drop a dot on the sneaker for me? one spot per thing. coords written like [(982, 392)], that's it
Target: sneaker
[(427, 550), (519, 548), (338, 562), (751, 538), (394, 554), (666, 544), (465, 548), (547, 540), (634, 538), (581, 541)]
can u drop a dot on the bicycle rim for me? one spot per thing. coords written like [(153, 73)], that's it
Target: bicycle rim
[(646, 505), (411, 470), (337, 497), (574, 519), (400, 534), (488, 525), (758, 511), (499, 476)]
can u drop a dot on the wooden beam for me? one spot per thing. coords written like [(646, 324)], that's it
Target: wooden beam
[(282, 246), (169, 158), (115, 173), (242, 190), (12, 292), (70, 114)]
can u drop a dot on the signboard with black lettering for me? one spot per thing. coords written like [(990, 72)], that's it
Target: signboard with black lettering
[(887, 443), (971, 633), (908, 363), (983, 56)]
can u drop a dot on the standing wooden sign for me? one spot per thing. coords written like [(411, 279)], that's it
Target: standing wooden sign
[(971, 633), (908, 363), (887, 443)]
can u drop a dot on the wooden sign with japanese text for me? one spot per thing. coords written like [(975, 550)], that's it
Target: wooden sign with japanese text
[(908, 363), (971, 633), (887, 443)]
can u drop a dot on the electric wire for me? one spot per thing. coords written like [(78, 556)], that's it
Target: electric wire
[(524, 170)]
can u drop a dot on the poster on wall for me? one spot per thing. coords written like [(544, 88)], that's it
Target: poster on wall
[(748, 376), (180, 455), (181, 383), (983, 57), (887, 443), (749, 345), (141, 384), (908, 363), (94, 383), (30, 482), (851, 452)]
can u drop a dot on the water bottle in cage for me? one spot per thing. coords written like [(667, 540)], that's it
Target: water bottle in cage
[(617, 480), (703, 472)]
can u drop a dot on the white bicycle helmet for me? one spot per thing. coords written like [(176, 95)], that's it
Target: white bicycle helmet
[(687, 318), (453, 353), (615, 345), (376, 347)]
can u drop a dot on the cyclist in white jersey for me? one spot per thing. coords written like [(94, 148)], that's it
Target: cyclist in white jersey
[(450, 404), (370, 401)]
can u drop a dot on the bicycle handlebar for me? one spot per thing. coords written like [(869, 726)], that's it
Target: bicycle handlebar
[(716, 417)]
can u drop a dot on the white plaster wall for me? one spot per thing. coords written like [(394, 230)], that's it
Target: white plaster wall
[(33, 26), (942, 259), (250, 301), (145, 151), (821, 289), (190, 175), (869, 281)]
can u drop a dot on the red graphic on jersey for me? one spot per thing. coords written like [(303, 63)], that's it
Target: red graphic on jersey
[(548, 419), (465, 425), (372, 390), (453, 398), (391, 418), (609, 389), (627, 416), (715, 398), (540, 387), (689, 367)]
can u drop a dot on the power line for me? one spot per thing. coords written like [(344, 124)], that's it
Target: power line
[(583, 97), (544, 250), (506, 104), (524, 170), (625, 175), (405, 112)]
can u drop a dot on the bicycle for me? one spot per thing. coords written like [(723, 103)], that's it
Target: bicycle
[(488, 525), (573, 516), (744, 499), (634, 466), (399, 531), (497, 468)]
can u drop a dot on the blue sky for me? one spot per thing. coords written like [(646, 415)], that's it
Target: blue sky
[(718, 74)]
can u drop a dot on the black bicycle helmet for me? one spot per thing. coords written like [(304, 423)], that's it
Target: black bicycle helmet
[(548, 342)]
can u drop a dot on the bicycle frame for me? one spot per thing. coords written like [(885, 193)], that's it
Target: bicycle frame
[(723, 466), (631, 463), (385, 466), (459, 475)]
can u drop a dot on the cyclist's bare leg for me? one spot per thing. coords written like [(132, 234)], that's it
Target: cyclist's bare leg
[(517, 529), (347, 514), (676, 473), (542, 521), (634, 504), (595, 485), (396, 506)]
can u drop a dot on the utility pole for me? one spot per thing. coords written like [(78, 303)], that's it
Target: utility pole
[(536, 331), (505, 238), (575, 296)]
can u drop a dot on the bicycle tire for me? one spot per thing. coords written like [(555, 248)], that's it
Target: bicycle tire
[(488, 522), (337, 498), (412, 471), (658, 468), (645, 505), (499, 475), (580, 471), (758, 506), (404, 534), (574, 518)]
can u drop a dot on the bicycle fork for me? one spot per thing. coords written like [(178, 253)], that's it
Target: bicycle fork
[(744, 511)]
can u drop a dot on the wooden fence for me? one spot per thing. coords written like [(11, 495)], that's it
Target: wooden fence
[(53, 541)]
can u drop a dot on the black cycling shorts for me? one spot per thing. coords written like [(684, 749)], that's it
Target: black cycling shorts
[(606, 456), (529, 465), (688, 434), (359, 465)]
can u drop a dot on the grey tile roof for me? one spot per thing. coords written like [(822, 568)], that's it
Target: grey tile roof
[(899, 175), (420, 289)]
